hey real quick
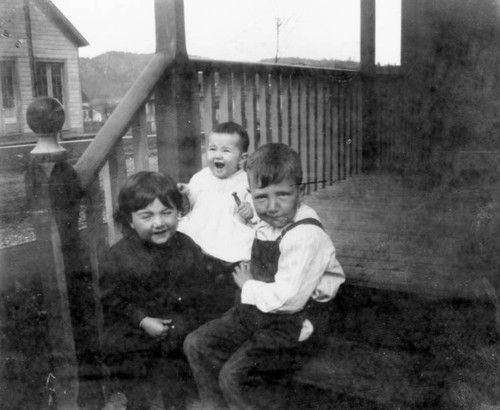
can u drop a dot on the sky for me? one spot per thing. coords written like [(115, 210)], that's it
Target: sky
[(240, 30)]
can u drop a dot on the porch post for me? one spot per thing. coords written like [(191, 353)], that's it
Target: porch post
[(51, 183), (368, 108), (176, 97)]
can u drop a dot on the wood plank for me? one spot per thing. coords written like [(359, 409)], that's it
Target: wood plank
[(114, 175), (275, 107), (295, 108), (264, 109), (140, 141), (238, 99), (225, 96), (251, 108)]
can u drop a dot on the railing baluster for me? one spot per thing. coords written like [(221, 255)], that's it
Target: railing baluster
[(263, 108), (295, 109), (251, 108), (332, 129), (311, 134), (208, 111), (340, 137), (359, 127), (286, 117), (321, 132), (238, 99), (114, 176), (225, 96), (304, 125), (140, 141), (275, 107), (314, 158), (350, 139)]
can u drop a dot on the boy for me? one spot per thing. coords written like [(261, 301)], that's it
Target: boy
[(292, 273), (220, 225)]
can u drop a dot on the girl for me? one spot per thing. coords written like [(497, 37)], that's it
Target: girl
[(152, 291)]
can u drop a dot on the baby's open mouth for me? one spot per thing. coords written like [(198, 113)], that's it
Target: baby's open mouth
[(219, 165)]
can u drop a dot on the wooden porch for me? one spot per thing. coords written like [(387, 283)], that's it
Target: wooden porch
[(420, 258)]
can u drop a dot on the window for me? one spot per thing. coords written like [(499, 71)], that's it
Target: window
[(7, 84), (50, 80)]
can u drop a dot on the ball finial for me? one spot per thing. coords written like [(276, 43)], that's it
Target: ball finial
[(45, 115)]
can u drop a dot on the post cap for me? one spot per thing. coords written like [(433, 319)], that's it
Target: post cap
[(45, 115)]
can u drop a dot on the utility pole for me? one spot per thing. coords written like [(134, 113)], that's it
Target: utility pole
[(278, 28)]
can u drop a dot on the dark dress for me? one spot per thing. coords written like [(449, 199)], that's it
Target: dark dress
[(140, 279)]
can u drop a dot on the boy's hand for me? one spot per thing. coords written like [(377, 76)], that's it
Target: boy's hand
[(245, 210), (183, 188), (242, 274), (155, 327)]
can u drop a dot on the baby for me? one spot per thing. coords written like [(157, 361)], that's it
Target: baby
[(221, 216)]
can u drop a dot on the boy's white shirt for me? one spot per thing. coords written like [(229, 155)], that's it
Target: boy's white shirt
[(214, 223), (308, 268)]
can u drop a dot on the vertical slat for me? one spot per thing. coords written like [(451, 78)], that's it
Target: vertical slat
[(114, 175), (334, 148), (275, 107), (328, 115), (238, 99), (264, 125), (314, 134), (140, 141), (225, 96), (208, 111), (359, 124), (310, 133), (304, 125), (350, 138), (295, 109), (286, 109), (321, 132), (251, 108), (341, 139)]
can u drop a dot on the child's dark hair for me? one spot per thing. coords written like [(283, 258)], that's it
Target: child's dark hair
[(140, 190), (273, 163), (233, 128)]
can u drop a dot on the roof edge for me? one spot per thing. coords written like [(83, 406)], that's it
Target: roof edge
[(60, 18)]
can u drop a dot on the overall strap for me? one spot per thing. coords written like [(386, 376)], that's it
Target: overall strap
[(306, 221)]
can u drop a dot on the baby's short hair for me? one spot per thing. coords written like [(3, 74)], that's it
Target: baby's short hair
[(233, 128), (273, 163), (141, 189)]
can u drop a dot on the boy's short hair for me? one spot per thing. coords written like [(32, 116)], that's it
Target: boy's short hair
[(140, 190), (273, 163), (233, 128)]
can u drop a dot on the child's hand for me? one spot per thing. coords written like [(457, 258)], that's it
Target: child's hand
[(245, 210), (242, 274), (183, 188), (156, 328)]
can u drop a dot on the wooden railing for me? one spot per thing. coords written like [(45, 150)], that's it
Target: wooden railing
[(319, 112)]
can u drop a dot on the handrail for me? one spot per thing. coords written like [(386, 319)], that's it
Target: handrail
[(98, 151), (204, 64)]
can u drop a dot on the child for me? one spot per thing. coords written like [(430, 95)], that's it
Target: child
[(221, 216), (152, 285), (292, 273)]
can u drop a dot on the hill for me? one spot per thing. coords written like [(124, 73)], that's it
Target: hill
[(110, 75), (323, 63)]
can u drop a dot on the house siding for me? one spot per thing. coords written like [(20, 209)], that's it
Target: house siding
[(50, 43)]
